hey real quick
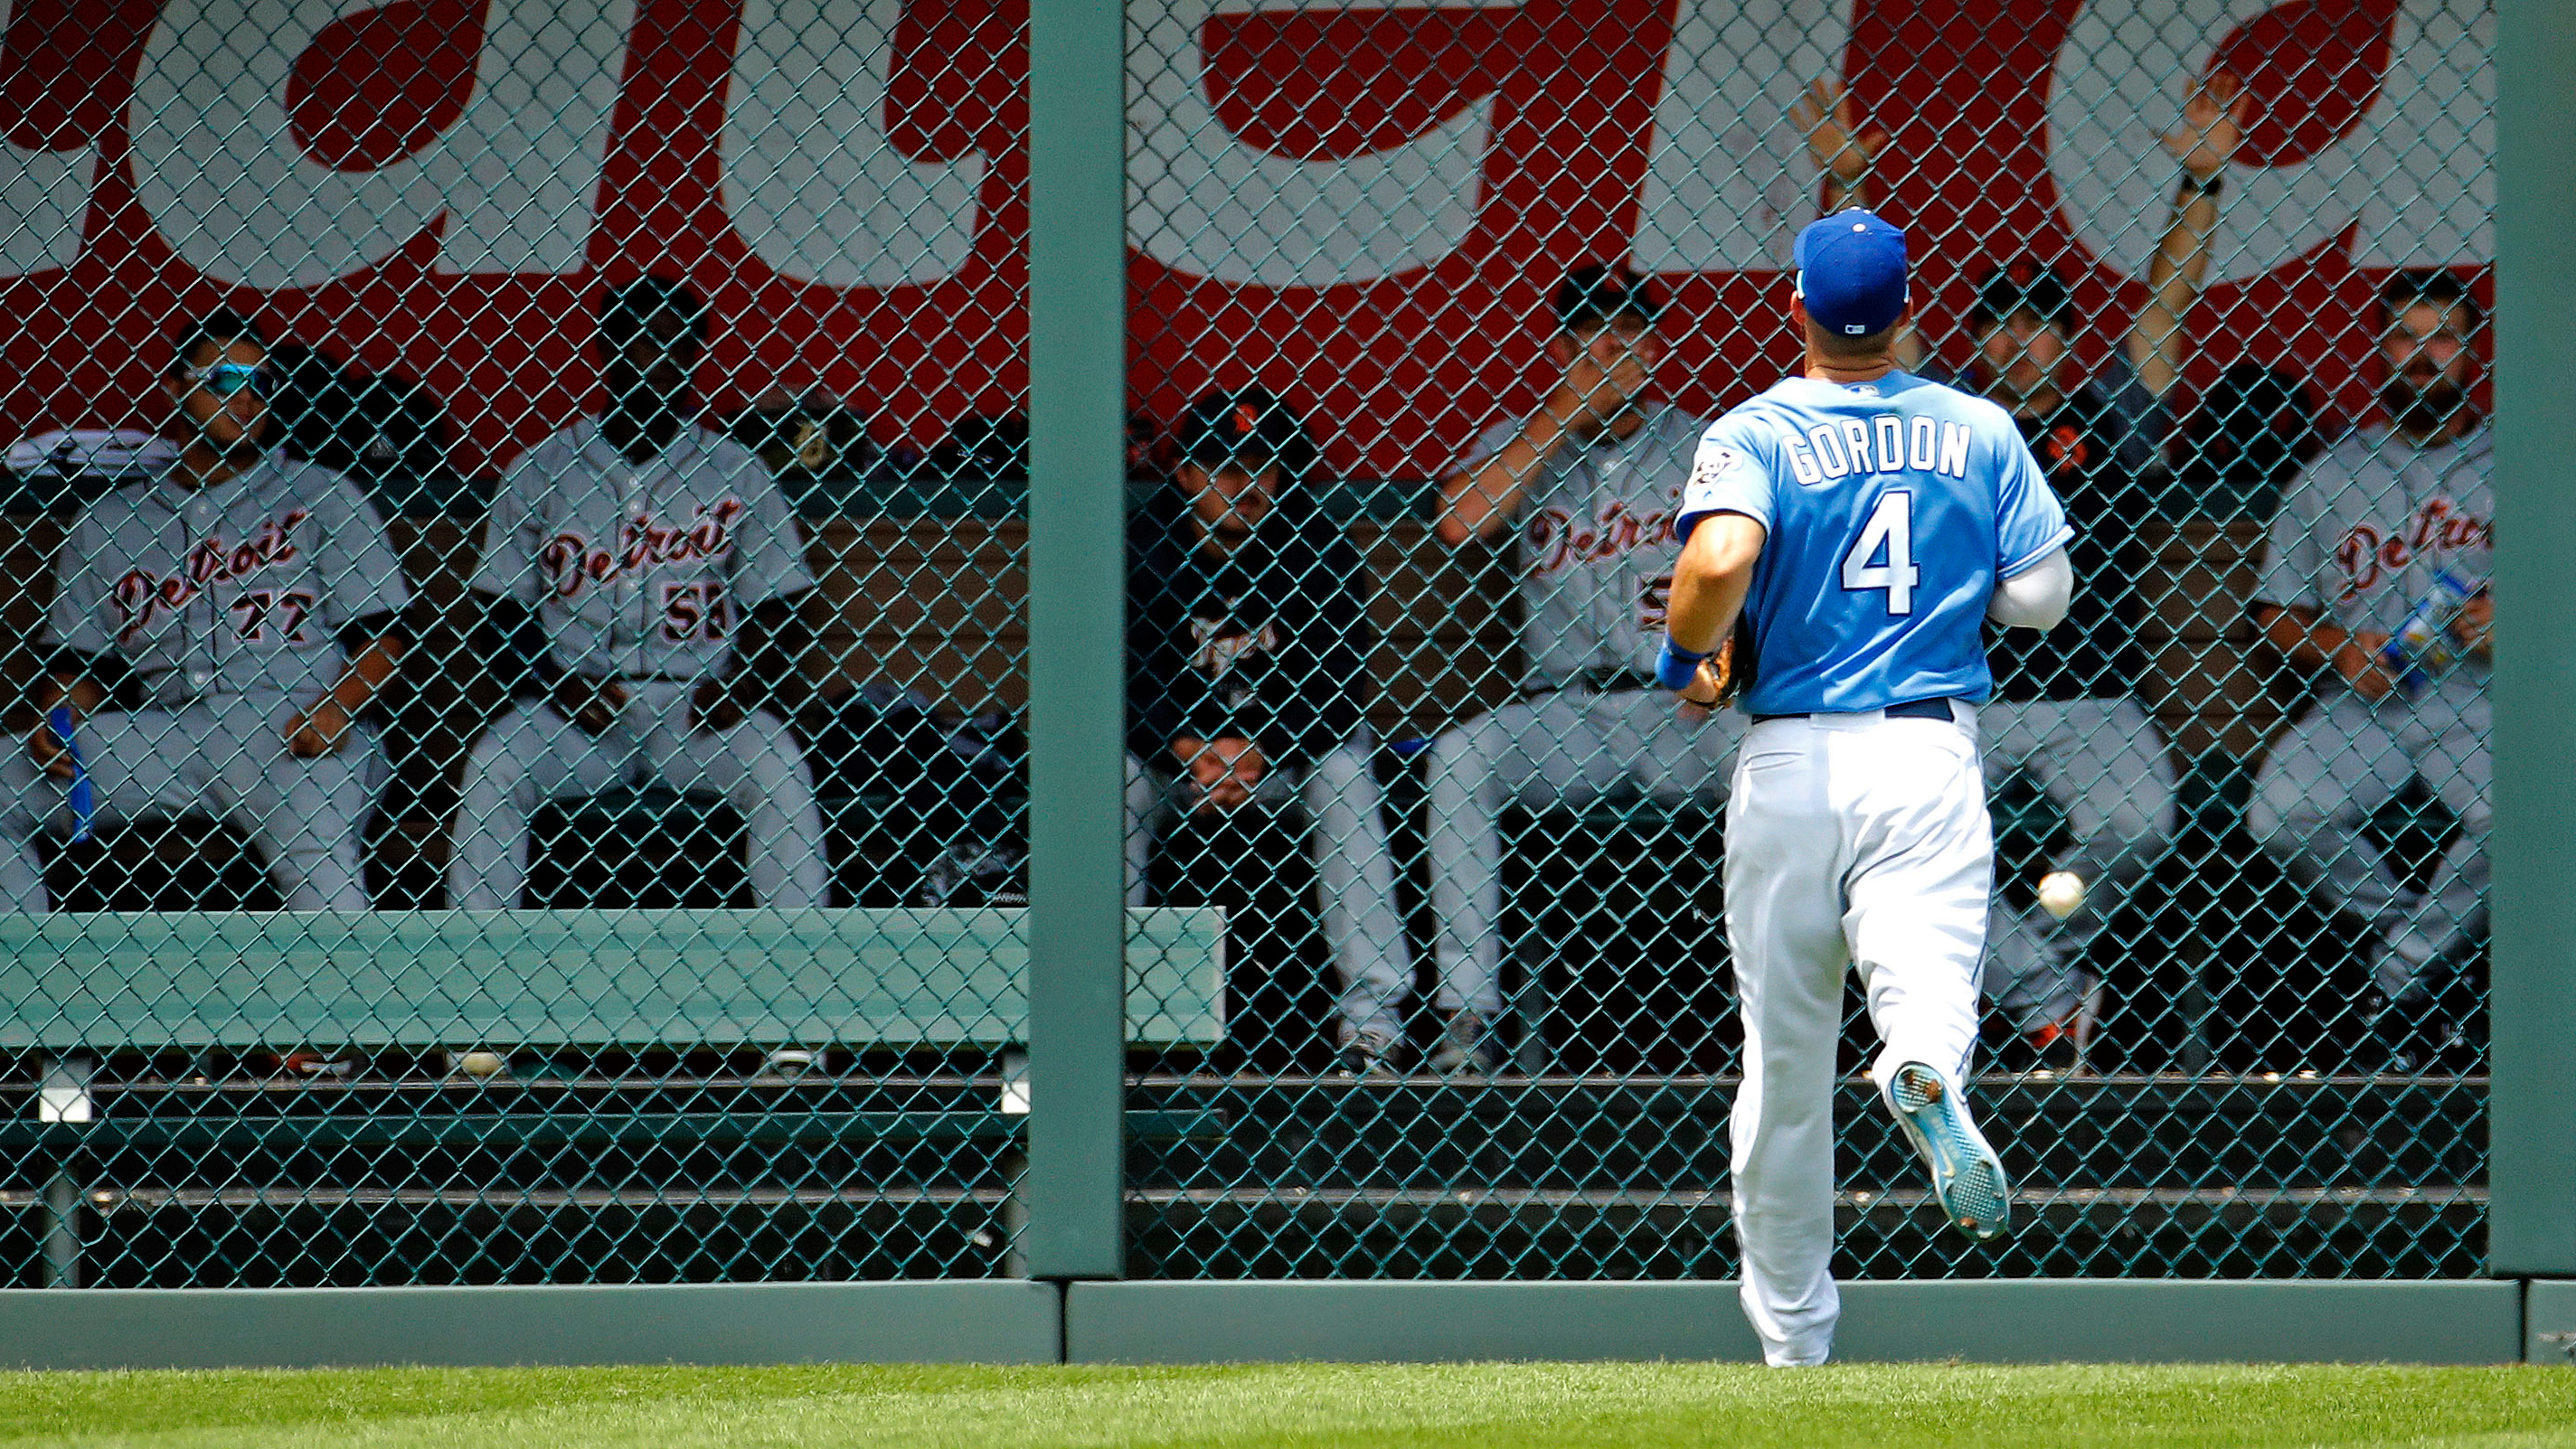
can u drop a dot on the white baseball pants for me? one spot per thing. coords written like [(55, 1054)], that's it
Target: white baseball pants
[(225, 756), (1338, 802), (2317, 790), (1851, 839), (533, 755)]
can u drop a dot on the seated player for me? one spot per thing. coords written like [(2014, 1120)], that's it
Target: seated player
[(2375, 581), (1590, 482), (250, 607), (1247, 684), (632, 562)]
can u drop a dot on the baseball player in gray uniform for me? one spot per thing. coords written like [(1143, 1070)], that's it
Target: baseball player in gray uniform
[(646, 556), (1591, 480), (252, 607), (2392, 526)]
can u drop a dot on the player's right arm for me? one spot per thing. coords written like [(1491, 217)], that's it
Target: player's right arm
[(2310, 641), (2290, 600), (1710, 582), (1603, 379), (1724, 520)]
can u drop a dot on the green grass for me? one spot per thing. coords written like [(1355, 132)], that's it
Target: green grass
[(1476, 1406)]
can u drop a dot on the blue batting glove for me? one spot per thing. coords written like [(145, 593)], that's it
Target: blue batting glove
[(84, 795), (1676, 667)]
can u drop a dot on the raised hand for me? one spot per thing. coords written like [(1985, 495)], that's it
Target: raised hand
[(1603, 381), (2213, 125), (1830, 120)]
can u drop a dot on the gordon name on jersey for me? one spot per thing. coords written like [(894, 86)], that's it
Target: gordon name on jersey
[(1890, 510), (1887, 443)]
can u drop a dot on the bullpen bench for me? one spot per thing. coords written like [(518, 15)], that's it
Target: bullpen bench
[(83, 986)]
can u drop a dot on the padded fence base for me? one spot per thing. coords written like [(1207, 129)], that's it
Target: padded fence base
[(2549, 1322), (727, 1323), (2060, 1320)]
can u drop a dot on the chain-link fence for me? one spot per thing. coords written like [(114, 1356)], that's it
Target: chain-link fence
[(517, 585), (2222, 265)]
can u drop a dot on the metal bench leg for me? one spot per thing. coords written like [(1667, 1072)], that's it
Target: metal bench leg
[(1014, 1221), (1532, 1010), (62, 1232), (63, 1096)]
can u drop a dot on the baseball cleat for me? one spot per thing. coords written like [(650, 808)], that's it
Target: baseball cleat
[(1967, 1177), (1367, 1055), (1466, 1047)]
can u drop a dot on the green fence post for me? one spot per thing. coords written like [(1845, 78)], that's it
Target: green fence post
[(2531, 1216), (1077, 711)]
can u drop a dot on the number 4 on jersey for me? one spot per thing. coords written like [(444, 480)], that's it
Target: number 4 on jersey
[(1883, 556)]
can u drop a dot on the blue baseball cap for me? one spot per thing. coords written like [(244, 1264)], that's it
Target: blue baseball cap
[(1851, 272)]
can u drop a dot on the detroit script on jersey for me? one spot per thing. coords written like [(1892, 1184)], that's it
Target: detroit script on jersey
[(569, 559), (2367, 553), (143, 597)]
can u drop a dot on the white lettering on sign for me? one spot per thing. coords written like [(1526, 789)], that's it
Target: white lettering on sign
[(230, 188), (2416, 170), (1729, 181), (527, 154), (812, 182), (1202, 201), (44, 199)]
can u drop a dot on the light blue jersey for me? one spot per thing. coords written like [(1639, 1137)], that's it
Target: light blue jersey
[(1892, 507)]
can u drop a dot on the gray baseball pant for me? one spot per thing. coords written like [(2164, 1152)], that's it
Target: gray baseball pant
[(2103, 764), (224, 756), (2348, 759), (1338, 804), (533, 755), (1571, 747)]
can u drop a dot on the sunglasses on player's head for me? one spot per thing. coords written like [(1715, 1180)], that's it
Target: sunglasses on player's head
[(223, 379)]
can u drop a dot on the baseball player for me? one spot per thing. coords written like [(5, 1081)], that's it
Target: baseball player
[(2064, 715), (631, 561), (241, 610), (1247, 643), (2391, 527), (1590, 480), (1864, 524)]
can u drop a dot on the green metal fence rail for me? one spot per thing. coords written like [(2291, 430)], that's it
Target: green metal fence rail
[(647, 599)]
